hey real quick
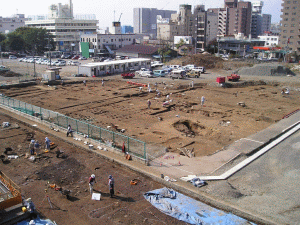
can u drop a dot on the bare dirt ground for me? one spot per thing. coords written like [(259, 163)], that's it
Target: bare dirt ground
[(71, 172), (206, 129)]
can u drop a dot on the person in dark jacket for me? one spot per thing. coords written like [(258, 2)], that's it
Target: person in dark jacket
[(111, 184)]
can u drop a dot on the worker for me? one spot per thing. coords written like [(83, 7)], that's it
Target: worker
[(102, 82), (30, 208), (168, 97), (124, 148), (31, 147), (84, 82), (155, 86), (149, 103), (36, 147), (47, 141), (69, 131), (92, 181), (192, 84), (140, 89), (202, 100), (111, 184)]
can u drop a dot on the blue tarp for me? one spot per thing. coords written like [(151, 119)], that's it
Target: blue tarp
[(189, 210), (38, 221)]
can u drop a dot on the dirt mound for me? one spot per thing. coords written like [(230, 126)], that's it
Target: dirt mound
[(10, 74), (208, 61), (273, 69)]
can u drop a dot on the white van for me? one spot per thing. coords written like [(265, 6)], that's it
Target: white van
[(178, 74), (200, 69), (174, 67)]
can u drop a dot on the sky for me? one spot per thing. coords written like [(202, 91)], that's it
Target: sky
[(104, 10)]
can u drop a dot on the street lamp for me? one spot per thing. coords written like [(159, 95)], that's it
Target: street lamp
[(218, 39)]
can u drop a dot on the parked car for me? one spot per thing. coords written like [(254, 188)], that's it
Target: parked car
[(147, 74), (156, 64), (82, 58), (141, 71), (160, 73), (189, 67), (75, 63), (178, 74), (95, 59), (61, 63), (200, 69), (12, 57), (174, 67), (79, 75), (75, 57), (194, 73), (69, 63)]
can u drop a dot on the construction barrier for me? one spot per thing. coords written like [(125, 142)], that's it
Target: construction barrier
[(108, 137)]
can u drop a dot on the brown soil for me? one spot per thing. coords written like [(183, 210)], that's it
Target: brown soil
[(220, 122), (71, 172)]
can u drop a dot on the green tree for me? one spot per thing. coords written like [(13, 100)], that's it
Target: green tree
[(180, 43), (14, 42), (2, 41), (164, 50), (35, 39)]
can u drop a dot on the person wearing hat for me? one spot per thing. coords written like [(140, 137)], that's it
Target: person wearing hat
[(92, 181), (31, 147), (47, 141), (111, 184), (31, 208)]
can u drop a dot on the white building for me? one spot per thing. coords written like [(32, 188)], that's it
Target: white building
[(113, 67), (65, 29), (270, 41), (9, 24)]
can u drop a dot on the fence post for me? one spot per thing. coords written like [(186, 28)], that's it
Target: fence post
[(76, 126), (144, 150), (67, 122), (113, 137), (13, 103), (57, 119), (100, 133), (128, 144), (25, 108), (88, 130), (8, 102), (19, 105)]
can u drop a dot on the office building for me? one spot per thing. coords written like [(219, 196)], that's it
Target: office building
[(261, 23), (144, 20), (127, 29), (65, 29), (289, 35), (9, 24)]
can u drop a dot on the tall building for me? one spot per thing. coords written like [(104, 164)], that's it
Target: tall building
[(126, 29), (238, 17), (290, 26), (65, 29), (144, 20), (9, 24), (261, 23), (206, 26)]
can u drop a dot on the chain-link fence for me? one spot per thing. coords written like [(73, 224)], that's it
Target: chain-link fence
[(108, 137)]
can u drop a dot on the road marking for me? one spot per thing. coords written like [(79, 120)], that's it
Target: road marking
[(253, 140)]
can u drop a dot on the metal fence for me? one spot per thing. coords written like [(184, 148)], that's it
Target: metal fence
[(105, 136)]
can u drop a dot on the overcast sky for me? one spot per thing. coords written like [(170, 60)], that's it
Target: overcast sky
[(104, 10)]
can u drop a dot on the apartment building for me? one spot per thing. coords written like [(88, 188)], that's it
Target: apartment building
[(65, 29), (238, 17), (290, 27), (9, 24), (144, 20)]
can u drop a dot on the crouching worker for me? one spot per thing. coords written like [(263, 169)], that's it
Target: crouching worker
[(92, 181), (69, 131), (31, 209)]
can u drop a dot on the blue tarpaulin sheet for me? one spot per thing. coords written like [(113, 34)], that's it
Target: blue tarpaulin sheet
[(38, 221), (189, 210)]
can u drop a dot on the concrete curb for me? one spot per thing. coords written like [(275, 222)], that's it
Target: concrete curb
[(180, 186)]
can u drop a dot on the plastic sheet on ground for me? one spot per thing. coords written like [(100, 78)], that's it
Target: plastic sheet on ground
[(189, 210), (38, 221)]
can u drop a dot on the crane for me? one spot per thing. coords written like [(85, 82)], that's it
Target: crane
[(120, 17)]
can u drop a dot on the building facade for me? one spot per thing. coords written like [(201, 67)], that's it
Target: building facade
[(290, 27), (238, 17), (127, 29), (145, 20), (270, 40), (106, 44), (65, 29), (9, 24)]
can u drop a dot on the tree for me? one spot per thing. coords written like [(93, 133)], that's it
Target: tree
[(164, 50), (14, 42), (2, 41), (35, 39), (180, 43)]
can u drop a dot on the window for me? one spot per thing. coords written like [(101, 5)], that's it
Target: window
[(292, 31), (284, 31), (286, 14), (285, 25), (293, 19), (292, 25), (112, 40), (295, 7), (295, 2), (294, 14)]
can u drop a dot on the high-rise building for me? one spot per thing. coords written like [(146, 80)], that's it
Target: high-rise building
[(126, 29), (238, 17), (261, 23), (144, 20), (65, 29), (9, 24), (290, 26)]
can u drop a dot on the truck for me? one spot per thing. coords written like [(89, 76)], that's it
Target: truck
[(200, 69), (127, 75), (233, 77)]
